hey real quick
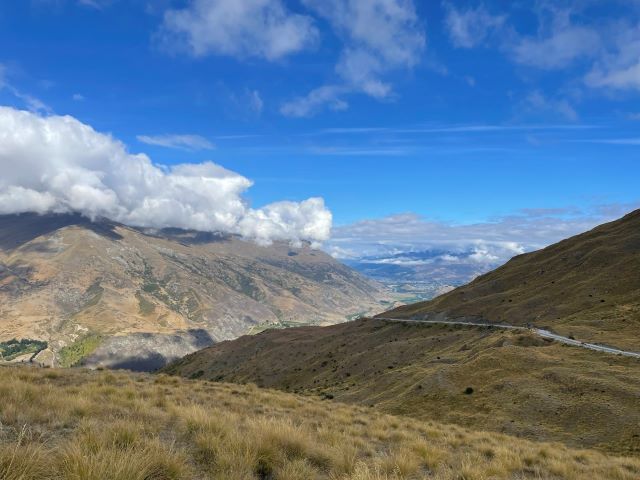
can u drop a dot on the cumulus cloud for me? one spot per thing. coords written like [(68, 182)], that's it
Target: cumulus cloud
[(183, 142), (469, 28), (379, 36), (58, 164), (238, 28)]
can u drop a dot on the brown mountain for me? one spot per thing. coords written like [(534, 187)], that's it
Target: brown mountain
[(103, 293), (480, 377)]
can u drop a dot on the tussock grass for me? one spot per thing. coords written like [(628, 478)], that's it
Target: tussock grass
[(91, 425)]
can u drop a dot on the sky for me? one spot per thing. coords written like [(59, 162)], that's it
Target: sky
[(363, 126)]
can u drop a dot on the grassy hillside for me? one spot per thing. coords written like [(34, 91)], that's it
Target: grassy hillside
[(58, 424), (522, 385), (587, 286)]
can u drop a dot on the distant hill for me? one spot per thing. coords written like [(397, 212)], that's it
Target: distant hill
[(587, 286), (479, 377), (101, 293)]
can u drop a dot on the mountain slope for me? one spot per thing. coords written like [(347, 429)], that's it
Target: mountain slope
[(478, 377), (522, 385), (125, 426), (103, 293), (587, 286)]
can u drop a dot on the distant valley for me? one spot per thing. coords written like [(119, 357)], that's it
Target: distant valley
[(422, 274)]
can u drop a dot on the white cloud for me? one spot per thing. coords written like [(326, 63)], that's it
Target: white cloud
[(469, 28), (58, 164), (537, 101), (315, 100), (620, 67), (183, 142), (379, 36), (395, 237), (32, 103), (558, 48), (604, 49), (238, 28), (78, 97), (256, 102)]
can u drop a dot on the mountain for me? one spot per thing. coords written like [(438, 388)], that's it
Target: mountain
[(484, 378), (587, 286), (101, 293)]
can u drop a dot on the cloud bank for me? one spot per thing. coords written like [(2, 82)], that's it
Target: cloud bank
[(395, 239), (58, 164)]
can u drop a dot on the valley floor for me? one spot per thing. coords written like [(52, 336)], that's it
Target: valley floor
[(80, 424)]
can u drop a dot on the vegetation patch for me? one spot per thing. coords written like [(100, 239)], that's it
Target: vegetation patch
[(145, 307), (72, 355), (94, 294), (15, 348)]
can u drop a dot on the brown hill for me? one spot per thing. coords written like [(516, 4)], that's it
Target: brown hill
[(587, 286), (479, 377), (522, 385), (103, 293)]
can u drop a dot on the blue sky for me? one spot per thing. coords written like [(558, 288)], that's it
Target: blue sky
[(456, 112)]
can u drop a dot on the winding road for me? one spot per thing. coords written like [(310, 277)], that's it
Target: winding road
[(538, 331)]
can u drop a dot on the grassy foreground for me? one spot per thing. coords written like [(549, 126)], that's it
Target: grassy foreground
[(77, 424)]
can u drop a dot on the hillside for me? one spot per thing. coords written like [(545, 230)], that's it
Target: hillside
[(71, 424), (522, 385), (587, 286), (101, 293), (479, 377)]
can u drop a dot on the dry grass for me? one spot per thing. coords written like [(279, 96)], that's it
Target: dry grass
[(522, 385), (84, 425)]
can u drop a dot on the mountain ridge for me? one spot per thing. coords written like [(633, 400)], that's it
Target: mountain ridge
[(98, 290)]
